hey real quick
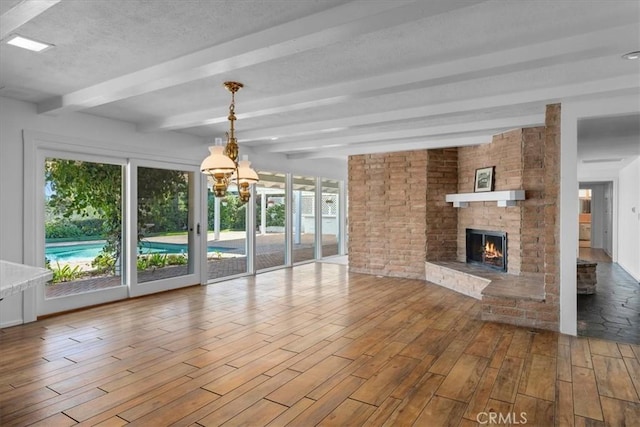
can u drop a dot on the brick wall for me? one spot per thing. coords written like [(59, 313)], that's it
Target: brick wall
[(387, 211), (532, 237), (552, 210), (441, 217), (505, 153)]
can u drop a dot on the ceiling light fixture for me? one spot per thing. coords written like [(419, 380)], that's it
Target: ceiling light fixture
[(29, 44), (632, 55), (222, 163)]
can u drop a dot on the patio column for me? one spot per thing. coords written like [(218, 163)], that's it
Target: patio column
[(317, 212), (263, 214)]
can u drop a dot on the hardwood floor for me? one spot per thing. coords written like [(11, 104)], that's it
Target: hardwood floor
[(312, 345)]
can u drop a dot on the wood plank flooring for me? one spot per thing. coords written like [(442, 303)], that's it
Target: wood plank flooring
[(312, 345)]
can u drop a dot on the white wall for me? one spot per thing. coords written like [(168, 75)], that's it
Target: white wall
[(92, 131), (608, 219), (629, 219)]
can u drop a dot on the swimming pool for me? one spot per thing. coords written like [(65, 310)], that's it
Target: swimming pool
[(80, 252)]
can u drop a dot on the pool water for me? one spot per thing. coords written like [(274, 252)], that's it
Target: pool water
[(80, 252)]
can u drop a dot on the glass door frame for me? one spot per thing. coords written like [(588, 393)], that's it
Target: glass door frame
[(131, 233), (37, 151)]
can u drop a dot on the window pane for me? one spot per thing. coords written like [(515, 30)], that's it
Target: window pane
[(83, 226), (303, 218), (330, 222), (270, 212), (163, 224)]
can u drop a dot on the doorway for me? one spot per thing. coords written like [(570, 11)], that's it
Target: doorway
[(611, 310), (595, 220)]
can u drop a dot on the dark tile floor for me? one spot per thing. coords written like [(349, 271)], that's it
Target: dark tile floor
[(613, 312)]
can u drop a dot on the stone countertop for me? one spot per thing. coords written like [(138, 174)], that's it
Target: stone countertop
[(16, 278)]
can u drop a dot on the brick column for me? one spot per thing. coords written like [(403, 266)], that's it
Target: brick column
[(387, 208), (533, 221), (552, 212), (441, 217)]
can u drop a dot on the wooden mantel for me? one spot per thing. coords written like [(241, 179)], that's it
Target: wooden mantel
[(503, 198)]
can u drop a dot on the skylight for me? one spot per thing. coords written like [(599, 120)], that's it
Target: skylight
[(28, 44)]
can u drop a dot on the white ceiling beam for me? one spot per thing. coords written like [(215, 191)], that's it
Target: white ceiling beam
[(22, 13), (546, 95), (491, 64), (413, 144), (321, 29), (422, 132)]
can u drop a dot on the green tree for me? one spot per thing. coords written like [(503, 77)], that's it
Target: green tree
[(232, 213), (163, 199), (275, 215), (78, 188)]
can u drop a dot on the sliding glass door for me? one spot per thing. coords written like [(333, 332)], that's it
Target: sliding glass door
[(111, 228), (166, 227)]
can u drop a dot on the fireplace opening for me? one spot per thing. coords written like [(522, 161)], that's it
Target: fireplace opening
[(488, 248)]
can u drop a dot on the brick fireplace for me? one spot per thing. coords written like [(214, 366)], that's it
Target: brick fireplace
[(398, 219)]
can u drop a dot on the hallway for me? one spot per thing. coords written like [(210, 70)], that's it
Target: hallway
[(613, 312)]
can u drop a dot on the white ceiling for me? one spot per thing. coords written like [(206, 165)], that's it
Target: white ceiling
[(327, 78)]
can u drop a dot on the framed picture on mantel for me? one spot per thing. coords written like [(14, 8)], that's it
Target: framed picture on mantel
[(484, 179)]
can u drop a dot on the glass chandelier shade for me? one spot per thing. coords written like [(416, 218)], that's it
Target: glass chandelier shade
[(222, 163), (219, 167), (244, 176)]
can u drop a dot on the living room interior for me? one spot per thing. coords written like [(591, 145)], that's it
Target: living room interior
[(386, 139)]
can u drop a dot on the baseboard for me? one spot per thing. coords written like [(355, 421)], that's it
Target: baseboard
[(11, 323)]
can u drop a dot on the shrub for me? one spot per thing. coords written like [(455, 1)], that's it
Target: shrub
[(142, 263), (66, 273), (157, 260), (104, 263), (275, 215), (61, 229), (76, 228), (177, 259), (90, 226)]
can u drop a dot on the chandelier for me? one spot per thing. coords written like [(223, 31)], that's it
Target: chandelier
[(222, 162)]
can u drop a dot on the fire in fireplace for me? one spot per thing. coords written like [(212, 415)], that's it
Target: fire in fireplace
[(488, 248)]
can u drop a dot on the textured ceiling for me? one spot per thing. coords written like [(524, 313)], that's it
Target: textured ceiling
[(327, 78)]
